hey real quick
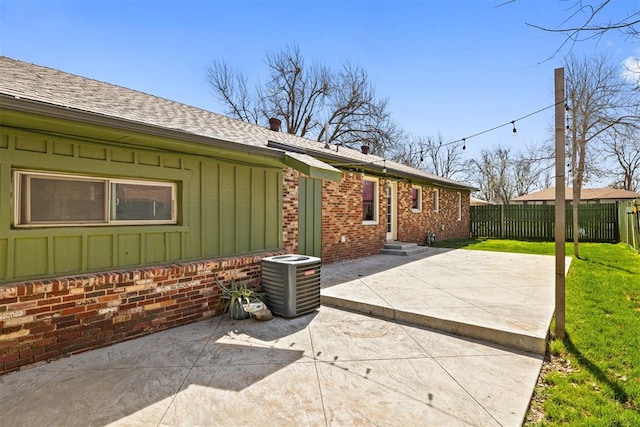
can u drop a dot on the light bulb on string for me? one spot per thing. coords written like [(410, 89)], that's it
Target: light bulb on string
[(464, 143), (384, 167), (514, 131)]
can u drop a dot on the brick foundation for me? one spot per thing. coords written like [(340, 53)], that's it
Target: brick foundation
[(47, 319)]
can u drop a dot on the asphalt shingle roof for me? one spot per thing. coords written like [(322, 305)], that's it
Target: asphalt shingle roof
[(549, 194), (21, 80)]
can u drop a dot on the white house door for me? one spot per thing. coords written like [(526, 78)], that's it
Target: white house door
[(392, 208)]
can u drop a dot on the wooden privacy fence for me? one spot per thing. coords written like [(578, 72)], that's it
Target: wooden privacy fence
[(598, 222), (629, 220)]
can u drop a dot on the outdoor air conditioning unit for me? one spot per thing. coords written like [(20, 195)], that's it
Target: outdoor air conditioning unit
[(291, 284)]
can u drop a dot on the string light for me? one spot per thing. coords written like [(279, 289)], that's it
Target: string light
[(464, 140)]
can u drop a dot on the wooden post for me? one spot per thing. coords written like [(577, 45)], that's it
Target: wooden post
[(560, 207)]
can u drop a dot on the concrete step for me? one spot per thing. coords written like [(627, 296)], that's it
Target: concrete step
[(402, 249), (511, 339), (399, 245)]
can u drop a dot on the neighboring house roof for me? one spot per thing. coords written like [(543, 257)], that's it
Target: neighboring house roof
[(474, 201), (549, 194), (33, 88)]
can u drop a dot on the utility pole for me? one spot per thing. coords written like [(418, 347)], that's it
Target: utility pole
[(560, 207)]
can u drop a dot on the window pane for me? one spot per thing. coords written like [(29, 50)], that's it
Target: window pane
[(368, 193), (414, 199), (62, 200), (136, 202)]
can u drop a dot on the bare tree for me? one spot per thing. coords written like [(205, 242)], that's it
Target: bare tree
[(357, 115), (410, 152), (312, 101), (502, 174), (443, 159), (532, 169), (624, 149), (600, 99), (432, 154), (493, 175), (295, 92), (230, 87), (590, 20)]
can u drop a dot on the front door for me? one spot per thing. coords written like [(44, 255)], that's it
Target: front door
[(392, 214)]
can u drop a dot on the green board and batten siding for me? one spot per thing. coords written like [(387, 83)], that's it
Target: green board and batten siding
[(310, 217), (224, 206)]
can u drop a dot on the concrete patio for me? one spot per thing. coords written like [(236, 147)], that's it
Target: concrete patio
[(503, 298), (330, 367)]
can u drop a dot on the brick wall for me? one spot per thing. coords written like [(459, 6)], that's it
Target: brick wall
[(444, 223), (342, 216), (290, 210), (47, 319)]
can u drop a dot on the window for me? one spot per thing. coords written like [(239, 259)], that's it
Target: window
[(141, 202), (459, 206), (369, 200), (416, 199), (436, 200), (45, 199)]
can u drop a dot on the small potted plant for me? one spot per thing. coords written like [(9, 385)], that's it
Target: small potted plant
[(237, 295)]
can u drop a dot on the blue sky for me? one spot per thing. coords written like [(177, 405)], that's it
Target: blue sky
[(454, 67)]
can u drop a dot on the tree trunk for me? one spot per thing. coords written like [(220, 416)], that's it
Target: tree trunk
[(576, 225)]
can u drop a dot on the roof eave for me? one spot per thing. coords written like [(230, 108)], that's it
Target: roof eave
[(42, 108), (379, 168)]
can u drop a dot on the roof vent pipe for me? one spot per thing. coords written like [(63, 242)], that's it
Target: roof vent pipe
[(365, 149), (274, 124)]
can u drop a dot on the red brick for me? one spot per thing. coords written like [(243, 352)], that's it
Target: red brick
[(62, 306), (9, 357), (72, 310), (75, 297)]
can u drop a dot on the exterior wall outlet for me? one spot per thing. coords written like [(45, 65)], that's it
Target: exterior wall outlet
[(343, 239)]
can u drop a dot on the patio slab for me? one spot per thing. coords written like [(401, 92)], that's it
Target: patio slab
[(504, 298), (327, 368)]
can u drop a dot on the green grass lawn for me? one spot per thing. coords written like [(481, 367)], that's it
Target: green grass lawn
[(592, 377)]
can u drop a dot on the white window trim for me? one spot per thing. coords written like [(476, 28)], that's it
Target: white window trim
[(459, 206), (419, 188), (376, 201), (436, 200), (17, 192)]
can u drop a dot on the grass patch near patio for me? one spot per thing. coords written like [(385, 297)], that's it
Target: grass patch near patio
[(497, 245), (592, 377)]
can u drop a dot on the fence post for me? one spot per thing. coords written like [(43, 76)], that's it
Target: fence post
[(616, 224), (560, 215)]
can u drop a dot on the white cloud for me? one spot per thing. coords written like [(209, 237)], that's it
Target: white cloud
[(631, 68)]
